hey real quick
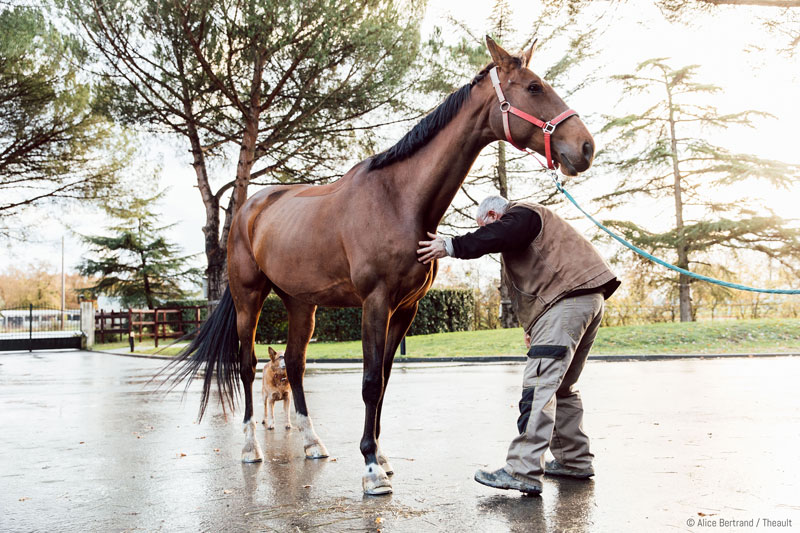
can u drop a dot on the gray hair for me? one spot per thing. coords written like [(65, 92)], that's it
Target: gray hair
[(498, 204)]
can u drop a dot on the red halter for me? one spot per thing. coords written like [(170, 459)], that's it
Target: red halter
[(548, 127)]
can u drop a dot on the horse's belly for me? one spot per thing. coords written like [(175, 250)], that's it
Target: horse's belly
[(311, 272)]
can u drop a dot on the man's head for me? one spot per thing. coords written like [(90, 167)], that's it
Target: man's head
[(490, 210)]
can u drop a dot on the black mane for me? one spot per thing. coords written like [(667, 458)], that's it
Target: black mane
[(427, 128)]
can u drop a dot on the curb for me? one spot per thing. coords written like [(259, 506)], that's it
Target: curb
[(507, 358)]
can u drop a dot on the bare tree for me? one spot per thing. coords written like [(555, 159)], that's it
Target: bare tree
[(288, 83)]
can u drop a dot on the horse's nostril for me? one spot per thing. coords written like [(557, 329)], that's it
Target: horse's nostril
[(588, 150)]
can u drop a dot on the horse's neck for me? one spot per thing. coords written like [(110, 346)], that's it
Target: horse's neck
[(429, 180)]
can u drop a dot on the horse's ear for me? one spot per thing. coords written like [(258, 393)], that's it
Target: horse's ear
[(526, 56), (272, 353), (500, 57)]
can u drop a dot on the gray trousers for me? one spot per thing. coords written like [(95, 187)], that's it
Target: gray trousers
[(551, 412)]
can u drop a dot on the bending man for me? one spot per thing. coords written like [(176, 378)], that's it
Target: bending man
[(558, 284)]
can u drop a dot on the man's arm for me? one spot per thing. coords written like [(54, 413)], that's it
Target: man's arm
[(515, 230)]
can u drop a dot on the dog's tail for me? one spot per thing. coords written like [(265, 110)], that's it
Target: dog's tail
[(215, 348)]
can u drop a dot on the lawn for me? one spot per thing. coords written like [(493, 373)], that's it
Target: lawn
[(720, 337)]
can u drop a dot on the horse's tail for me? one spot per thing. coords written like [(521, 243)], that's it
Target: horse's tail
[(215, 346)]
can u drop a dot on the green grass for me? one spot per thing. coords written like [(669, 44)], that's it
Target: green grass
[(720, 337)]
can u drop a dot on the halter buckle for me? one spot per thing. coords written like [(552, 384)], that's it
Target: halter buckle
[(549, 128), (505, 106)]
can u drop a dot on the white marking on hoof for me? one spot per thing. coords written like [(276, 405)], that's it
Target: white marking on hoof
[(311, 442), (375, 481), (316, 451), (385, 464), (251, 453), (383, 461)]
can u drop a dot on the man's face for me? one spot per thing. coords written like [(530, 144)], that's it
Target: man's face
[(491, 216)]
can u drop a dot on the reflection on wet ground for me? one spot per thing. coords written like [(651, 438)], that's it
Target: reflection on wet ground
[(85, 447)]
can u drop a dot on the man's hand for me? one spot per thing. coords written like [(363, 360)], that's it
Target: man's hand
[(430, 250), (527, 341)]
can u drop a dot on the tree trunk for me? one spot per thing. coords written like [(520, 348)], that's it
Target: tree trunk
[(684, 290), (215, 251), (148, 293), (508, 318), (247, 148), (215, 248)]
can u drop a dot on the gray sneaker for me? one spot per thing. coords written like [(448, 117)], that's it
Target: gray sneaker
[(554, 468), (500, 479)]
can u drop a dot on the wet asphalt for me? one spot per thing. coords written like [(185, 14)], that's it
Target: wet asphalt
[(688, 445)]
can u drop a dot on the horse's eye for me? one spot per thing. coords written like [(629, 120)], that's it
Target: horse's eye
[(534, 88)]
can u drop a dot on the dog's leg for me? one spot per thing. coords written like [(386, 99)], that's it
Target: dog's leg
[(286, 407), (271, 413), (265, 396)]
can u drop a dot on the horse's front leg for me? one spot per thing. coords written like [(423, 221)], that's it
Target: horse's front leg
[(398, 327), (375, 320)]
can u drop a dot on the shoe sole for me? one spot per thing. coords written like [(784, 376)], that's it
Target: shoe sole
[(565, 474), (526, 492)]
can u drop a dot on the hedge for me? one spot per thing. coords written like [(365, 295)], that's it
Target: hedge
[(441, 310)]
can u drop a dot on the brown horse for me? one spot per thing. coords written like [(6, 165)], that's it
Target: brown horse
[(353, 243)]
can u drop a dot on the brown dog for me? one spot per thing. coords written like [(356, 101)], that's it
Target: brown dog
[(274, 387)]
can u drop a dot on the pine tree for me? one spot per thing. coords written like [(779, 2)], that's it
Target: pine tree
[(55, 141), (665, 152), (136, 262)]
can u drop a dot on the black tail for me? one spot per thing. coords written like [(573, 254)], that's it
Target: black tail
[(216, 346)]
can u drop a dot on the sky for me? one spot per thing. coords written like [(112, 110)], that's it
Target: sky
[(631, 32)]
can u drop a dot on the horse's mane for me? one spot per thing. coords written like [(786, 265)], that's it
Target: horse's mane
[(427, 128)]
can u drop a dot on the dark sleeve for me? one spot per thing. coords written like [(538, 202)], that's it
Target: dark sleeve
[(515, 230)]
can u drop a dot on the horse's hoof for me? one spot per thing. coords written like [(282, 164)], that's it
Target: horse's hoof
[(288, 426), (271, 426), (316, 451), (263, 421), (375, 481), (386, 465), (251, 453)]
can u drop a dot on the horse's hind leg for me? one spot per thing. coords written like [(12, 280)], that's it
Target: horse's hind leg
[(301, 326), (249, 288)]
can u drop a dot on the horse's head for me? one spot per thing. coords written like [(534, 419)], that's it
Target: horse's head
[(548, 117)]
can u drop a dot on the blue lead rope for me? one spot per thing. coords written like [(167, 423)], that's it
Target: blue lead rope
[(662, 262)]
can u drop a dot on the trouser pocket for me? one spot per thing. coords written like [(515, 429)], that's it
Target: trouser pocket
[(525, 406), (547, 351)]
